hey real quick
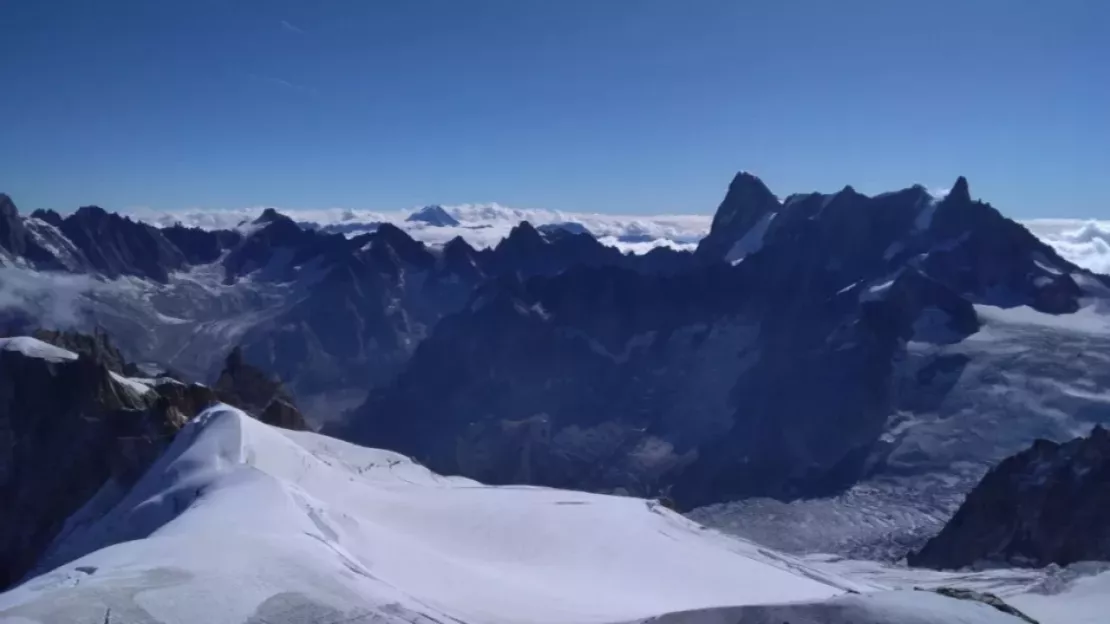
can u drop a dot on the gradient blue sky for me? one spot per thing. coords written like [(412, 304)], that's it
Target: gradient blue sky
[(609, 105)]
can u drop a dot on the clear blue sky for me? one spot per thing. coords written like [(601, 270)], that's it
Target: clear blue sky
[(611, 105)]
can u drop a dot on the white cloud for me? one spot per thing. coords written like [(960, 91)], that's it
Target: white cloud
[(482, 225), (52, 299), (285, 25), (1085, 243)]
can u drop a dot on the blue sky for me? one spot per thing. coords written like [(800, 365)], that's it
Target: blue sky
[(610, 105)]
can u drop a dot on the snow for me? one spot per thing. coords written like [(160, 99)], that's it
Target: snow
[(140, 387), (925, 216), (1078, 594), (752, 240), (238, 518), (1090, 319), (33, 347)]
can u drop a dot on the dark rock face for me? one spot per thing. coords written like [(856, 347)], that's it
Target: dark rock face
[(765, 367), (67, 426), (747, 205), (116, 245), (97, 346), (255, 392), (201, 246), (1047, 504), (19, 242)]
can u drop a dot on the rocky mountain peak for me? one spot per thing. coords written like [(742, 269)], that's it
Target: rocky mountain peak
[(13, 235), (433, 215), (747, 203), (48, 216), (271, 215), (7, 207), (959, 192)]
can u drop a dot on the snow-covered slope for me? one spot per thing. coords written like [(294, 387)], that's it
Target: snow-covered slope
[(240, 520), (1077, 594), (1051, 369)]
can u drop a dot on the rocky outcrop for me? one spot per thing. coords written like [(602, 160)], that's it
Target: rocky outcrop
[(1047, 504), (69, 424), (257, 393), (116, 245), (75, 419)]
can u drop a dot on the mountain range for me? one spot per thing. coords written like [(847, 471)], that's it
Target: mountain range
[(811, 348)]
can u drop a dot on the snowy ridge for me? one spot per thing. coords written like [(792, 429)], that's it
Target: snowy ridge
[(33, 347), (241, 520)]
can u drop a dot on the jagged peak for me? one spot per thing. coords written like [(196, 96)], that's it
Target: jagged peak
[(91, 212), (7, 206), (745, 181), (48, 216), (959, 192), (457, 244), (525, 232), (271, 215)]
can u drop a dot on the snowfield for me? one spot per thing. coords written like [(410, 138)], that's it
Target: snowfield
[(240, 522)]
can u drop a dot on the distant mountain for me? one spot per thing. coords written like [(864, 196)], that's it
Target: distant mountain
[(1047, 504), (433, 215), (814, 342), (329, 315)]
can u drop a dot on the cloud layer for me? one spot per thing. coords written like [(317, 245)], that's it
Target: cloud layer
[(482, 225), (1086, 243)]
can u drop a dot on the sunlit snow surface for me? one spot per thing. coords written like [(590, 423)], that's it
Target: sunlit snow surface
[(32, 347), (1078, 594), (241, 522)]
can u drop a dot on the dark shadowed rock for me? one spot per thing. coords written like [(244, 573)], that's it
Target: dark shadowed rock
[(116, 245), (1047, 504), (254, 391), (686, 378), (201, 246), (747, 206), (48, 216), (69, 424), (97, 346)]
